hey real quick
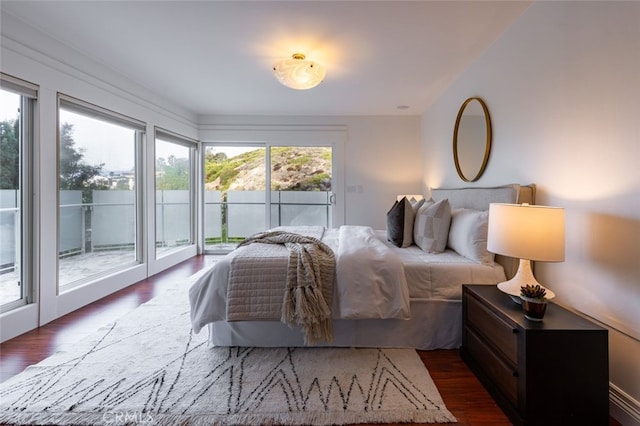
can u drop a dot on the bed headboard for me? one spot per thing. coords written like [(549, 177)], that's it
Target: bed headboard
[(480, 198)]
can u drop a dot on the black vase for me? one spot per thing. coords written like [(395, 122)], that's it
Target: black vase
[(533, 309)]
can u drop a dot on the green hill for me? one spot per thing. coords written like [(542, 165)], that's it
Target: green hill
[(293, 169)]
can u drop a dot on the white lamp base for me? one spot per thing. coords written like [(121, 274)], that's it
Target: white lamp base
[(523, 276)]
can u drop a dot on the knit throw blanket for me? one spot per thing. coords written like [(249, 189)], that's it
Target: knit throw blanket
[(309, 281)]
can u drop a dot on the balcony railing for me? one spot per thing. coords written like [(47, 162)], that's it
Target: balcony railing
[(107, 225), (231, 217)]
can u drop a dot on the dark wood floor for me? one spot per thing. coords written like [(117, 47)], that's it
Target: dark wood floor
[(462, 393)]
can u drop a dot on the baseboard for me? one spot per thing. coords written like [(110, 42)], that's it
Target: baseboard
[(623, 407)]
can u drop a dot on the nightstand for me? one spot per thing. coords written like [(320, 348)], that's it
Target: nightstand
[(540, 373)]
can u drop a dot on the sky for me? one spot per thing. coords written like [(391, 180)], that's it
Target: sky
[(9, 105), (103, 142)]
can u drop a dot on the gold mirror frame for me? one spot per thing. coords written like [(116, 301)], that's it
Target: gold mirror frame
[(487, 148)]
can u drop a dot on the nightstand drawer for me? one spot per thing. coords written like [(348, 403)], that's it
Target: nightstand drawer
[(502, 374), (501, 334)]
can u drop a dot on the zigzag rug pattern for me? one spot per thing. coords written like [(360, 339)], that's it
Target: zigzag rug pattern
[(149, 368)]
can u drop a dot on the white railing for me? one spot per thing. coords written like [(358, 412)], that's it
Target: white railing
[(108, 223), (239, 214), (10, 232)]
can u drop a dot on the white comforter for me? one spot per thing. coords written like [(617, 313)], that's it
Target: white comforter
[(370, 281)]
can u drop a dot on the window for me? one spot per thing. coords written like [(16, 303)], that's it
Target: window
[(234, 195), (17, 111), (175, 192), (247, 187), (301, 185), (100, 213)]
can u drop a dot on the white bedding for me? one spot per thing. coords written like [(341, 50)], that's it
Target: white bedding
[(423, 277), (439, 276), (370, 280)]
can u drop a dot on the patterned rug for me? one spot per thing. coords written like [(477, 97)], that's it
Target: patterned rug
[(148, 368)]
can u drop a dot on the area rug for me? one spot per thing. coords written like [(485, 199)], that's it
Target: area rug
[(148, 368)]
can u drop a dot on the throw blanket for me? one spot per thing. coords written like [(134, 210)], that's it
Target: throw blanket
[(256, 280)]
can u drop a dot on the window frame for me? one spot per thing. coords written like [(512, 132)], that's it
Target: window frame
[(334, 136), (90, 110), (193, 145), (28, 93)]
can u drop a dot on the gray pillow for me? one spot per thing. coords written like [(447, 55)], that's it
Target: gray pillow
[(400, 223), (431, 226)]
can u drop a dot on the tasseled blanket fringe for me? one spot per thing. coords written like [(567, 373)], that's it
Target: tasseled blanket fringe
[(305, 306)]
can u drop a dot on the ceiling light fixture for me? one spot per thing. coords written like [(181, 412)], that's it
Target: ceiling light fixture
[(299, 73)]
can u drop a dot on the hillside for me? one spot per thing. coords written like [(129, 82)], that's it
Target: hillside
[(293, 168)]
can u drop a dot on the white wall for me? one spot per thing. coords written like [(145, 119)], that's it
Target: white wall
[(380, 160), (562, 85), (383, 161)]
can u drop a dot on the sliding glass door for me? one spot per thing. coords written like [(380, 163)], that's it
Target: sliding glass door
[(249, 188), (234, 194)]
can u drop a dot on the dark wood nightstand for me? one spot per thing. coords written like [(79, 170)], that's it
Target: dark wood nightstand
[(540, 373)]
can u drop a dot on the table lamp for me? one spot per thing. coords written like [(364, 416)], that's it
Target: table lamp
[(529, 233)]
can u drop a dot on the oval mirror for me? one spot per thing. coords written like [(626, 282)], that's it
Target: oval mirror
[(472, 139)]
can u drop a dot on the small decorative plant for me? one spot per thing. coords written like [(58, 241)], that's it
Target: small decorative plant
[(534, 301), (533, 292)]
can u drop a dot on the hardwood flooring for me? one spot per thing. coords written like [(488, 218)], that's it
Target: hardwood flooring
[(462, 393)]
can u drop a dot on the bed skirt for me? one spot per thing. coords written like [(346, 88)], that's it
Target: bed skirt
[(434, 324)]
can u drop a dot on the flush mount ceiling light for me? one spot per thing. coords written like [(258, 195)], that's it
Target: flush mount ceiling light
[(299, 73)]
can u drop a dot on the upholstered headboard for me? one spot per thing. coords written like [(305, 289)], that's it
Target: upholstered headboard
[(480, 198)]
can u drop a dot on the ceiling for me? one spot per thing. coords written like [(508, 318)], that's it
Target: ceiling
[(215, 57)]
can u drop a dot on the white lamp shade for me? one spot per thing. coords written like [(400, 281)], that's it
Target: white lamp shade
[(299, 73), (527, 232)]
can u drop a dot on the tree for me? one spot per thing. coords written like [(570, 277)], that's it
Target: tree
[(218, 157), (172, 173), (74, 172), (9, 155)]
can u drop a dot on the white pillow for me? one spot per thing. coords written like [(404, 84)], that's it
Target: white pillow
[(400, 223), (431, 227), (468, 234), (416, 204)]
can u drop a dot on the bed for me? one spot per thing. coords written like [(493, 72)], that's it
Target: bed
[(421, 309)]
